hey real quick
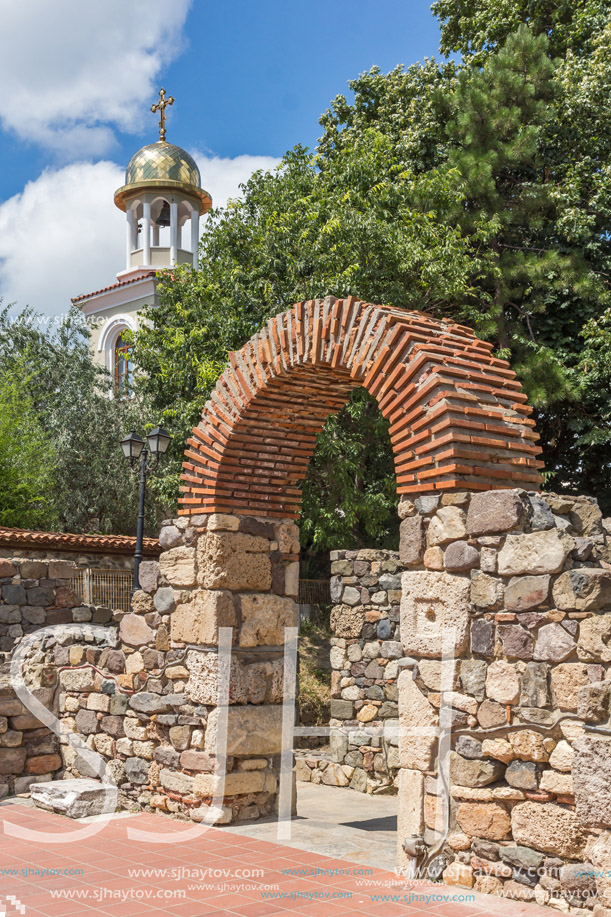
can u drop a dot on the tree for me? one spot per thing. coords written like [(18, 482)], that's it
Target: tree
[(26, 458), (481, 192), (62, 402)]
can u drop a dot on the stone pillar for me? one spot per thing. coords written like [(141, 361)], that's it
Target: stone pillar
[(173, 232), (131, 227), (146, 233), (195, 235)]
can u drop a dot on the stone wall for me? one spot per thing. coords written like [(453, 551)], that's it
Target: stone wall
[(29, 752), (524, 581), (365, 648), (143, 693)]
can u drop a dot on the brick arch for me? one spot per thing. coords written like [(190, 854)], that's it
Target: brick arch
[(458, 418)]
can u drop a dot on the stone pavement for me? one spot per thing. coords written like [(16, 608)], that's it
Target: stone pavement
[(220, 872)]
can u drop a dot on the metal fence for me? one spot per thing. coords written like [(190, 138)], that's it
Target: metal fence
[(111, 588), (314, 592)]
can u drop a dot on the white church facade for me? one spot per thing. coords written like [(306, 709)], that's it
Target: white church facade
[(163, 202)]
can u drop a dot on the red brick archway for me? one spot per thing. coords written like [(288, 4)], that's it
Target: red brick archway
[(458, 418)]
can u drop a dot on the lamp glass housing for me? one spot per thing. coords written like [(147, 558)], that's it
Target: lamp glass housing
[(158, 441), (132, 445)]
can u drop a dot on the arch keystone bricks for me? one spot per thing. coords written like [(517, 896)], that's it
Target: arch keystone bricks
[(458, 417)]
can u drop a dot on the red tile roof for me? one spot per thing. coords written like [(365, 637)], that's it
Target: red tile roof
[(113, 286), (65, 541)]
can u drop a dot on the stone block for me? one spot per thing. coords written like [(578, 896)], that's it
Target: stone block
[(460, 556), (134, 630), (177, 782), (419, 724), (517, 642), (12, 760), (488, 820), (75, 798), (554, 643), (237, 783), (199, 621), (552, 781), (534, 691), (591, 770), (586, 517), (341, 709), (251, 730), (148, 575), (432, 604), (541, 516), (566, 679), (486, 591), (594, 643), (494, 511), (521, 774), (137, 770), (235, 561), (11, 706), (525, 592), (548, 828), (411, 540), (582, 589), (491, 714), (169, 537), (447, 525), (530, 745), (503, 682), (347, 621), (264, 619), (534, 554), (482, 637), (178, 566), (474, 772)]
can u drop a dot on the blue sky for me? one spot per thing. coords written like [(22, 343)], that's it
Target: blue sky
[(250, 78)]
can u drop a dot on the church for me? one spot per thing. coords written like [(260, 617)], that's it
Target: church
[(163, 201)]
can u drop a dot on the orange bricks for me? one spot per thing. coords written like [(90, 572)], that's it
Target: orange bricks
[(456, 412)]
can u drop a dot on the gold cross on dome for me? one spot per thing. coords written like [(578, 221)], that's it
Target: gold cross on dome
[(160, 106)]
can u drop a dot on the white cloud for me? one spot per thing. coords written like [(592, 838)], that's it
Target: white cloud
[(63, 236), (72, 70)]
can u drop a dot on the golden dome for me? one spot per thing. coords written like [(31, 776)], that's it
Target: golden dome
[(162, 165)]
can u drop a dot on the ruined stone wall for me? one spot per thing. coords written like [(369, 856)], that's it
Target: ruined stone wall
[(142, 693), (366, 587), (524, 583)]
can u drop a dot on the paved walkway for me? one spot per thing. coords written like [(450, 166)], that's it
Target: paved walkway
[(339, 823), (221, 872)]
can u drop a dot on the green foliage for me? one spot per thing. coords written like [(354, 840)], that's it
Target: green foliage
[(480, 191), (63, 407), (26, 458)]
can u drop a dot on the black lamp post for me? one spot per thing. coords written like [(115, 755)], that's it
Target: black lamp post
[(134, 448)]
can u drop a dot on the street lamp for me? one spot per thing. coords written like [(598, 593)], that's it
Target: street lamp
[(134, 448)]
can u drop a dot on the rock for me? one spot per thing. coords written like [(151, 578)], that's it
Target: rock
[(553, 782), (447, 525), (367, 713), (148, 575), (199, 621), (486, 591), (535, 553), (75, 798), (234, 561), (264, 618), (561, 758), (534, 685), (490, 714), (251, 730), (586, 518), (549, 828), (178, 566), (488, 885), (137, 770), (427, 504), (494, 511), (458, 874), (433, 558), (525, 592), (147, 702), (431, 603), (522, 774), (483, 819), (482, 637), (87, 721), (591, 770), (594, 701), (595, 639), (566, 680), (522, 857), (134, 630), (461, 556), (411, 541), (406, 508), (466, 772), (351, 595), (347, 621), (542, 516), (554, 643), (164, 600), (341, 709), (419, 725), (468, 747), (169, 537), (503, 682), (12, 760), (582, 589), (473, 677), (517, 642), (578, 883), (499, 749), (530, 745), (177, 782)]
